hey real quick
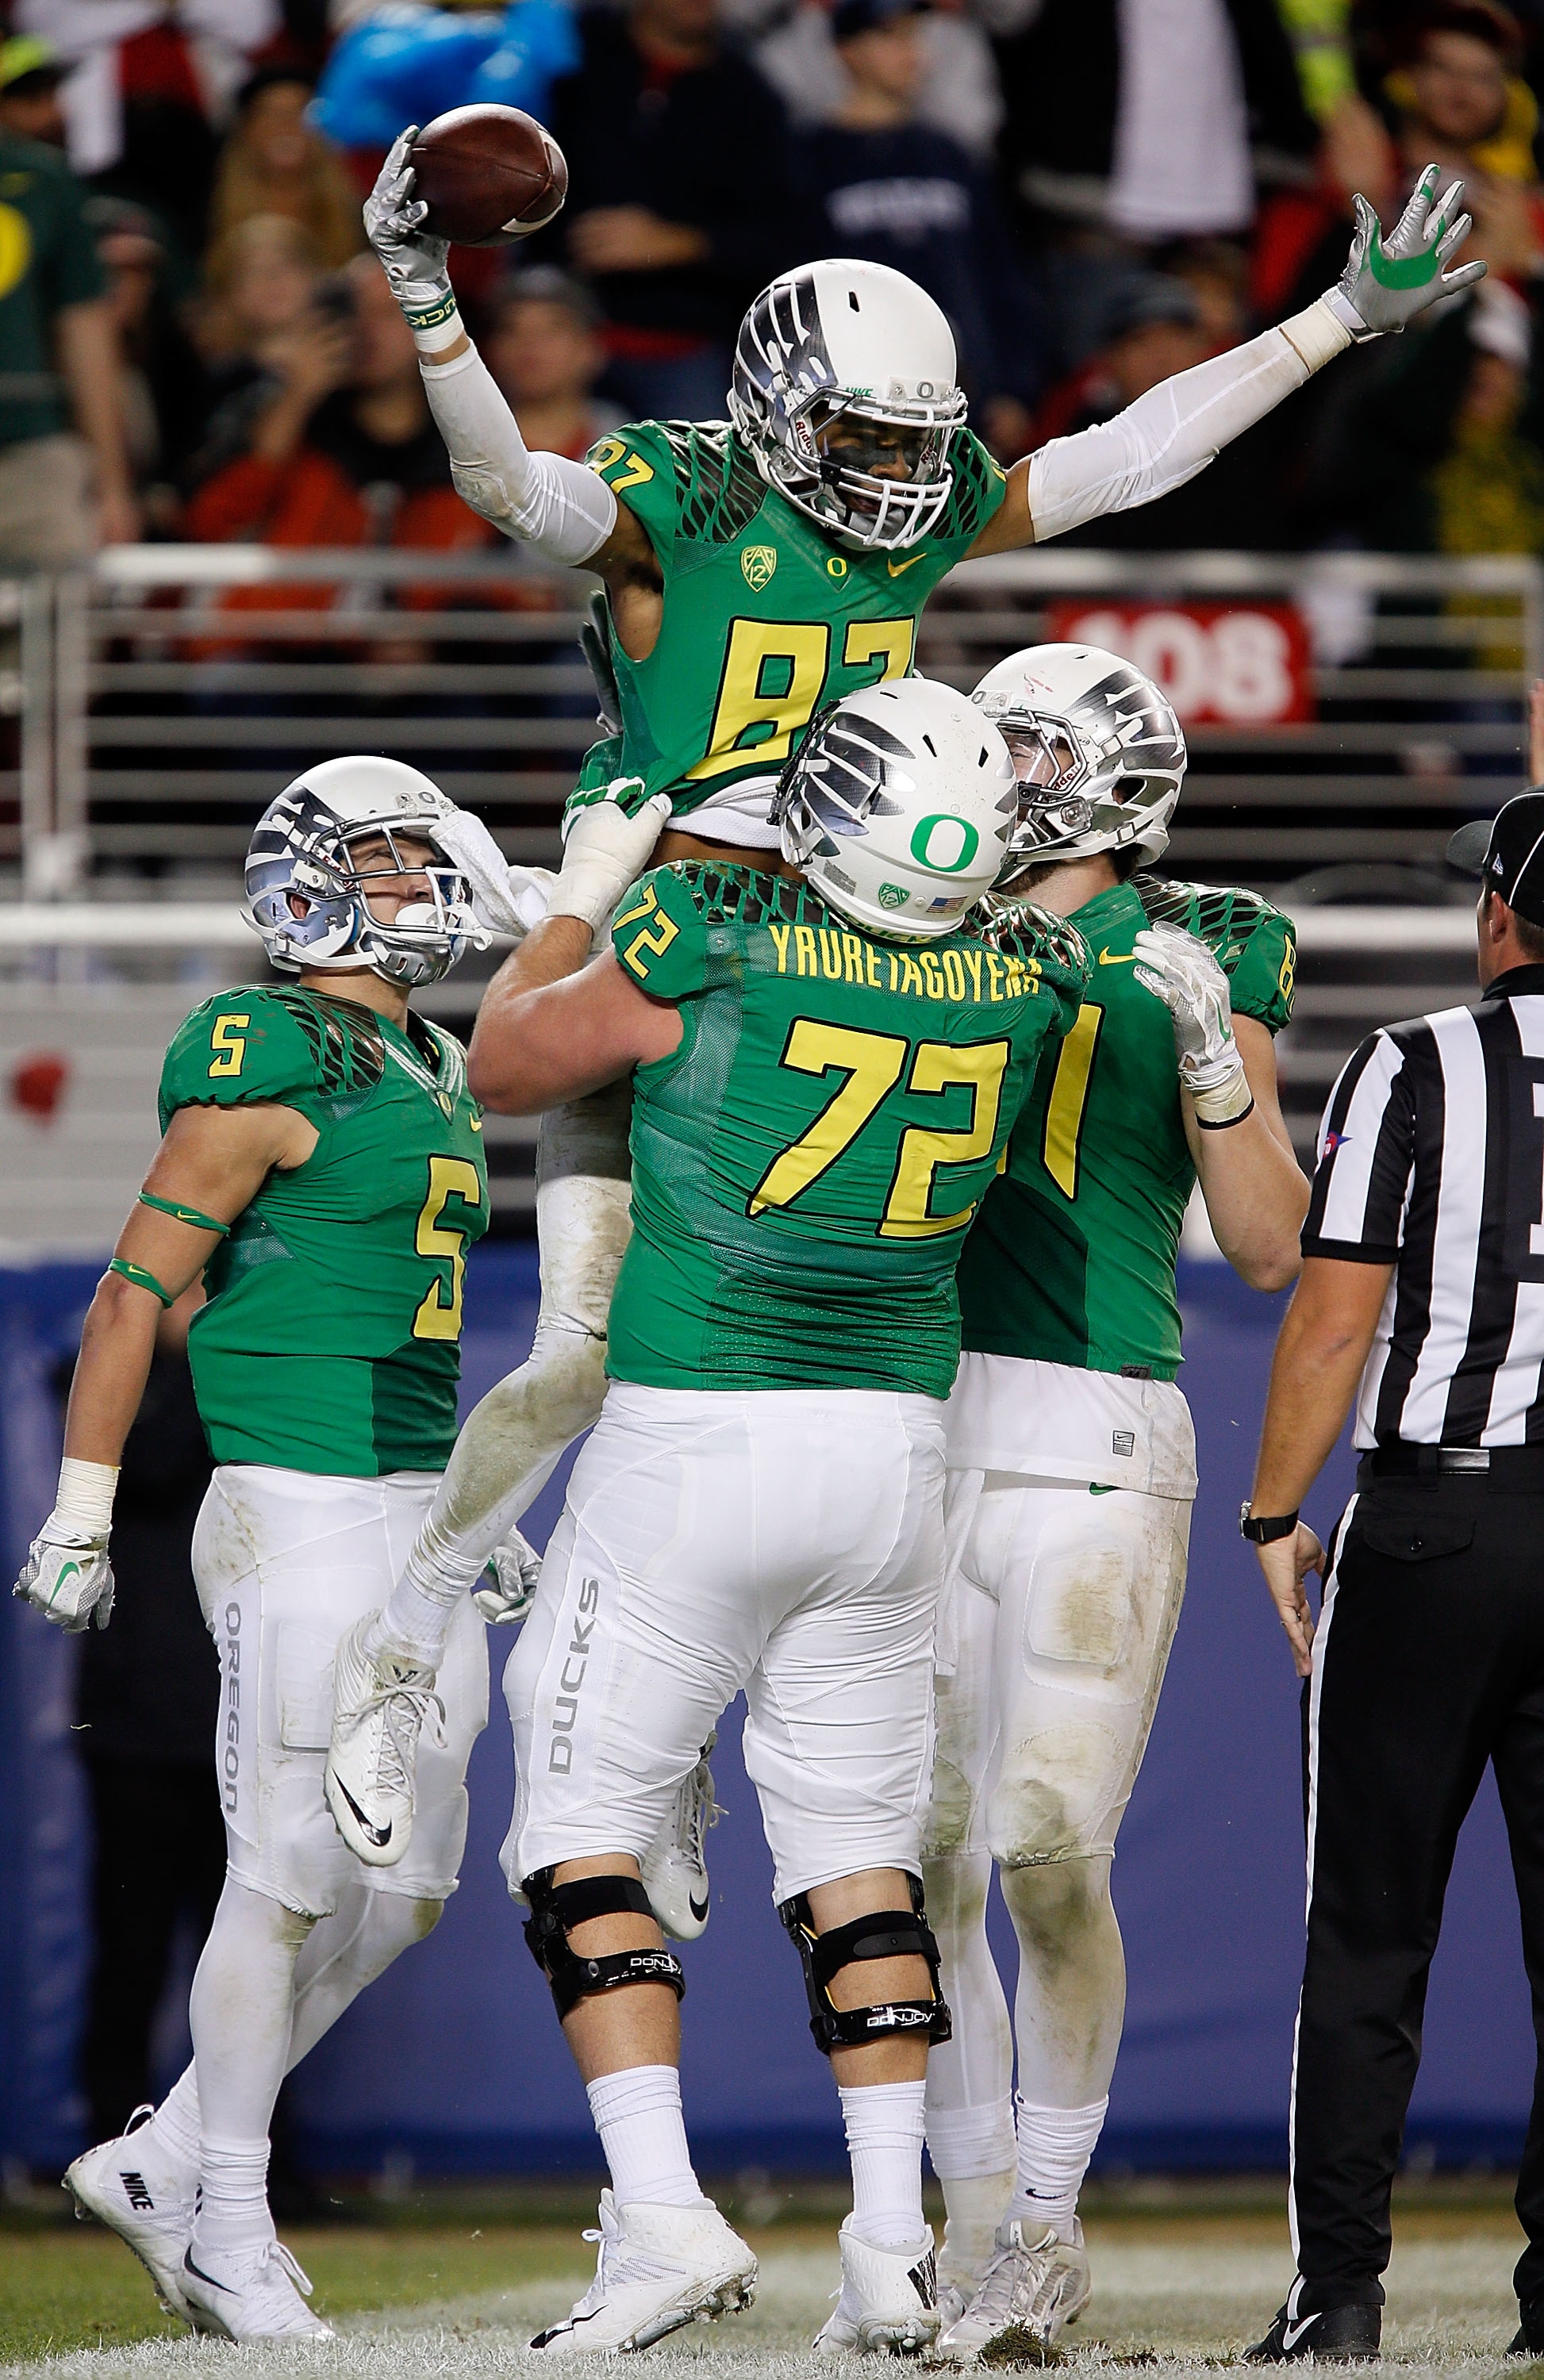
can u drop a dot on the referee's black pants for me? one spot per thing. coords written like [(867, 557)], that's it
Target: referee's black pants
[(1429, 1662)]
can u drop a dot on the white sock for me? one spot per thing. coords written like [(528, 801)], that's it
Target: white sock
[(1054, 2146), (415, 1620), (175, 2127), (883, 2123), (966, 2143), (637, 2115), (233, 2197)]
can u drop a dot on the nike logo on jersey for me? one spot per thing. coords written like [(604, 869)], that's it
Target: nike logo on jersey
[(895, 569), (1293, 2331), (379, 1836), (1116, 958)]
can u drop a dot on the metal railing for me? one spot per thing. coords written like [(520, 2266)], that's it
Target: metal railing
[(163, 696), (165, 693)]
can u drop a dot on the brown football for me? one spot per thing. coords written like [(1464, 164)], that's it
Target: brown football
[(488, 175)]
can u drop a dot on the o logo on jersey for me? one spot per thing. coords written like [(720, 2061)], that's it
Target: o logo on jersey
[(758, 561), (15, 248), (836, 566), (945, 845)]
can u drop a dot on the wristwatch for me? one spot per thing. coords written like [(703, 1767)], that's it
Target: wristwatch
[(1261, 1530)]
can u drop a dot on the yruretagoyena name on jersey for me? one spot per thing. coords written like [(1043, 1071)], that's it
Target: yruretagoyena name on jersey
[(976, 973)]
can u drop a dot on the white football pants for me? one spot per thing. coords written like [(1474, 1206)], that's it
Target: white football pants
[(788, 1542), (510, 1443), (1061, 1609)]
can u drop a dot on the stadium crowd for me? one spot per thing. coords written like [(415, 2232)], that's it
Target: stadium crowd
[(194, 343)]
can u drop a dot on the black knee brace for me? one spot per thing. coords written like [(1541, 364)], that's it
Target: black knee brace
[(556, 1907), (888, 1934)]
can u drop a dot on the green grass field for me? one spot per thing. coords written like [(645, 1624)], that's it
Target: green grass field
[(449, 2297)]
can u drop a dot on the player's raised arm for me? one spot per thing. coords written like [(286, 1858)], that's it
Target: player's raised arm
[(1180, 426), (208, 1167), (561, 508)]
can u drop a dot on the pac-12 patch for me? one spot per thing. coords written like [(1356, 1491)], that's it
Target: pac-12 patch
[(758, 561)]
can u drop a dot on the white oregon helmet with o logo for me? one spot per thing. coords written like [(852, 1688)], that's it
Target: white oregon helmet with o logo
[(898, 806)]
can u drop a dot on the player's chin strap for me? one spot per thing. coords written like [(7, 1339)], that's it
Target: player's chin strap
[(885, 1934), (555, 1908)]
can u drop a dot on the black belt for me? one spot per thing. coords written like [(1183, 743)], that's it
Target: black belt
[(1508, 1466)]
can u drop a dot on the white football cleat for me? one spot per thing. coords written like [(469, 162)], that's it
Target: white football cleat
[(887, 2300), (258, 2292), (675, 1867), (379, 1707), (1032, 2287), (659, 2268), (127, 2184)]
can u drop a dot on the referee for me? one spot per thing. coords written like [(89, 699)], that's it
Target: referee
[(1422, 1297)]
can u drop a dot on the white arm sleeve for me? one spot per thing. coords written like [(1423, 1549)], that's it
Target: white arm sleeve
[(562, 508), (1177, 428)]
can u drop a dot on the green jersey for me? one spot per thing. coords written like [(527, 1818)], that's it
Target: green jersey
[(48, 261), (806, 1163), (1073, 1258), (766, 618), (331, 1339)]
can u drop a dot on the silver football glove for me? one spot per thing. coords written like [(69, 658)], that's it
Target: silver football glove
[(608, 846), (509, 898), (1178, 969), (1388, 282), (413, 260), (508, 1586), (68, 1577)]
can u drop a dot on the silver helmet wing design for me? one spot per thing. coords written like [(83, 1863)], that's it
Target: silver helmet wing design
[(1098, 750), (308, 899), (857, 343)]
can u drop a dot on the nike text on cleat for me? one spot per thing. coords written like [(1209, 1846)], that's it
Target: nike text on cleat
[(128, 2185), (379, 1708), (1031, 2288), (888, 2301), (675, 1867), (1348, 2334), (659, 2268), (258, 2292)]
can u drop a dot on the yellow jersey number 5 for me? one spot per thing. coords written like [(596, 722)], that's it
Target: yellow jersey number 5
[(439, 1316)]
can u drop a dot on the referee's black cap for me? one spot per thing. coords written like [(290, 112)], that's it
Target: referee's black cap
[(1508, 852)]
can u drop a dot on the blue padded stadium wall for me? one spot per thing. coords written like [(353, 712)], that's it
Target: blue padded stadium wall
[(453, 2063)]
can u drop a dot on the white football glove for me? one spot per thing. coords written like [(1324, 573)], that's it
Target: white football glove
[(607, 847), (413, 260), (1388, 282), (68, 1577), (509, 898), (507, 1595), (1178, 969)]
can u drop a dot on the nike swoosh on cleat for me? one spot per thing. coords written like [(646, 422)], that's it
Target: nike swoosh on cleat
[(379, 1836), (698, 1908), (189, 2266), (1293, 2331)]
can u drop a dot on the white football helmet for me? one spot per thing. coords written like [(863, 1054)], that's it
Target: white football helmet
[(1098, 750), (898, 806), (311, 903), (862, 345)]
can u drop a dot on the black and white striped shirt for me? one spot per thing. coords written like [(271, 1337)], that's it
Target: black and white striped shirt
[(1431, 1159)]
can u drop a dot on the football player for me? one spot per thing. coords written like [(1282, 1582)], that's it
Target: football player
[(322, 1167), (827, 1050), (1072, 1459), (754, 569)]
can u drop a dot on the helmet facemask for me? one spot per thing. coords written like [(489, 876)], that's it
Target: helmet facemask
[(310, 897), (834, 480)]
